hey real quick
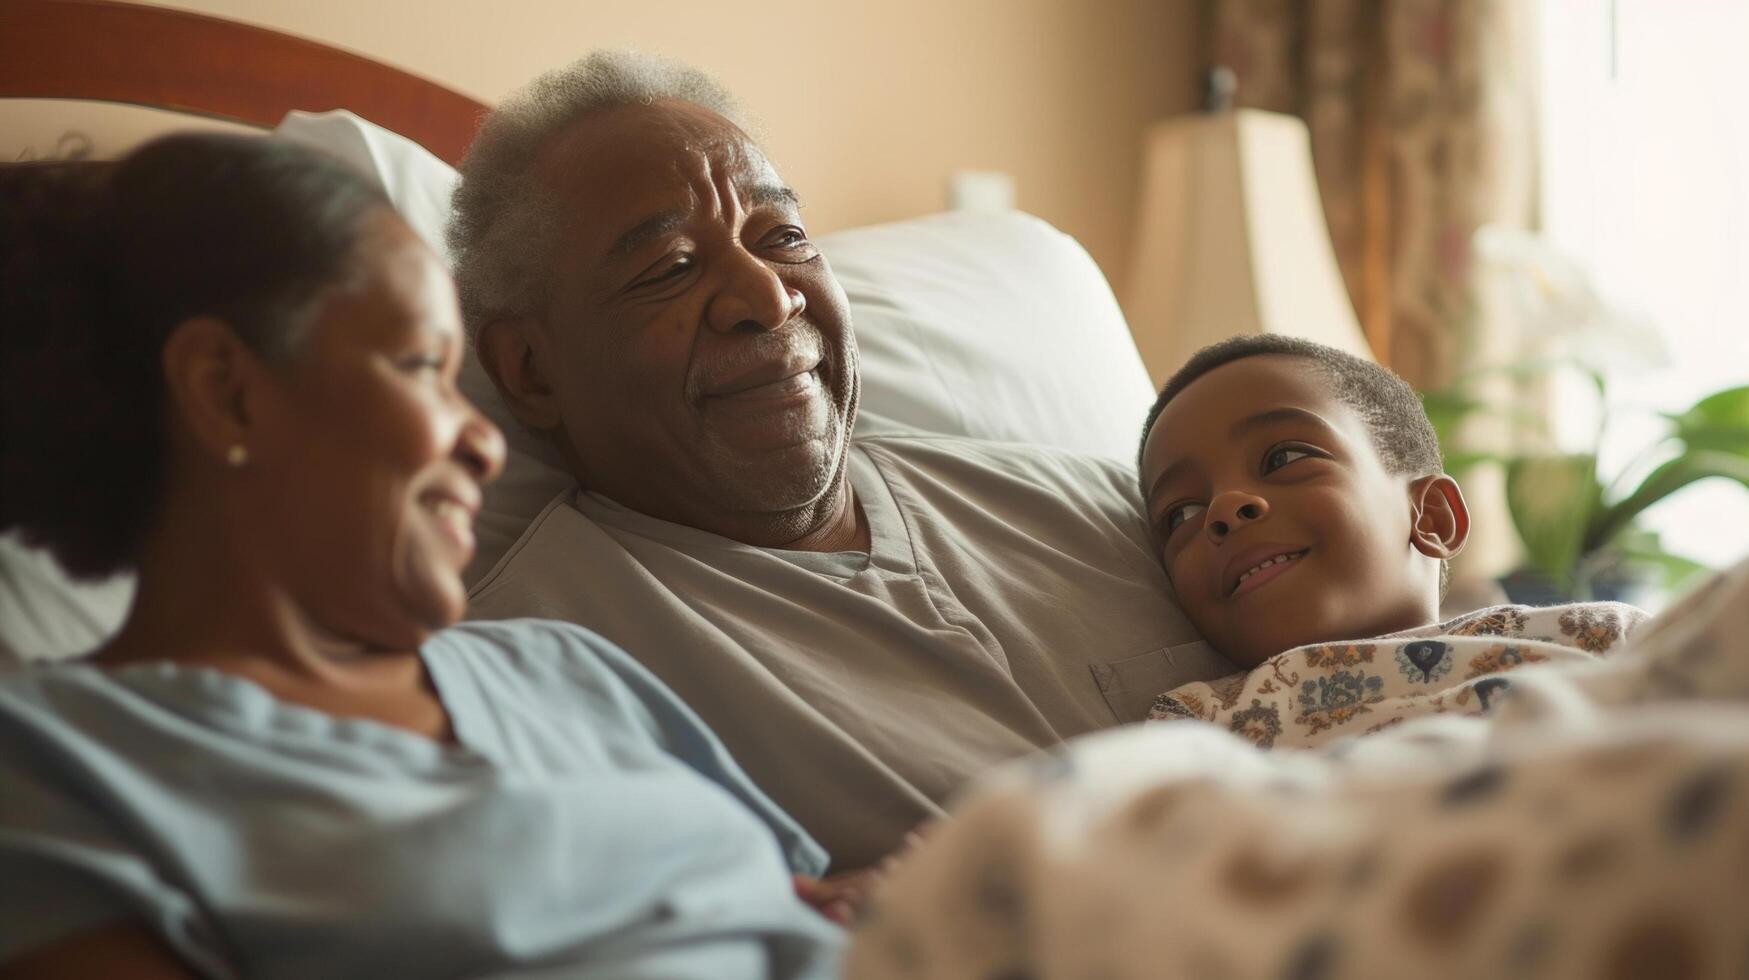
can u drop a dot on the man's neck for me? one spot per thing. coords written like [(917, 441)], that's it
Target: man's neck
[(845, 530), (832, 521)]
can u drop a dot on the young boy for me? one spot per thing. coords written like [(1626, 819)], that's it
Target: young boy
[(1592, 827), (1297, 497)]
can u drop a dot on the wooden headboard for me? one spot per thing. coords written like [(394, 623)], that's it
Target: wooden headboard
[(170, 59)]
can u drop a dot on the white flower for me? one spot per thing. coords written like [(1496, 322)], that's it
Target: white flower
[(1559, 310)]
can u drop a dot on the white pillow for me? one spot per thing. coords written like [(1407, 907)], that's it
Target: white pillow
[(990, 325), (993, 325), (46, 615), (418, 183)]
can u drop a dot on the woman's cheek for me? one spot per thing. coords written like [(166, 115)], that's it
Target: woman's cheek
[(429, 591)]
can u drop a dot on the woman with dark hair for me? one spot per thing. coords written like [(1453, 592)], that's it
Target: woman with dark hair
[(231, 367)]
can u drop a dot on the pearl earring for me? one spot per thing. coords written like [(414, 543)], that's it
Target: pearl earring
[(237, 455)]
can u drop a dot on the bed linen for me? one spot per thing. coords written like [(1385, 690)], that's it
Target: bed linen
[(1597, 825), (1312, 694)]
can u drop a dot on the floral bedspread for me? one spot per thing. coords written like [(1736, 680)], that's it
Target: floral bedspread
[(1594, 822), (1311, 694)]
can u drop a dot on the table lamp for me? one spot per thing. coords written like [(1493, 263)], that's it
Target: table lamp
[(1231, 240)]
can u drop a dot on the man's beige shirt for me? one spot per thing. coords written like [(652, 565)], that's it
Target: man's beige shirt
[(1009, 600)]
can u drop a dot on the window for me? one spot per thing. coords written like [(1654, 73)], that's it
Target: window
[(1645, 181)]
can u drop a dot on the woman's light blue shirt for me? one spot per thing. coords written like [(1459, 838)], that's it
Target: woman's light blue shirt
[(586, 824)]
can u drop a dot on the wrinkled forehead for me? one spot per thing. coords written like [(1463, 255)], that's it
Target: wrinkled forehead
[(631, 161), (1202, 418)]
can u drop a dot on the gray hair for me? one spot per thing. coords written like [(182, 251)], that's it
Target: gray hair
[(504, 223)]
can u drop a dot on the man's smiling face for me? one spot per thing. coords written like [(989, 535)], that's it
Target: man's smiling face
[(1277, 521), (698, 347)]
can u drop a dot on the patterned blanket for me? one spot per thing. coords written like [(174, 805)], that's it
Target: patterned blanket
[(1593, 823), (1311, 694)]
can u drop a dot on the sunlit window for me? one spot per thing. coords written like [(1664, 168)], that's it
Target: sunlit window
[(1645, 181)]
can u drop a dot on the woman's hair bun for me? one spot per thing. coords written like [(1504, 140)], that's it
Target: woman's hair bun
[(54, 269)]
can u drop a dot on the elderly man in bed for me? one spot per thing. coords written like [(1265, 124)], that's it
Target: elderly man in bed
[(866, 624)]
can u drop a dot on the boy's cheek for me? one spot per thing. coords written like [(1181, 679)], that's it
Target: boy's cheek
[(1179, 573), (1194, 589)]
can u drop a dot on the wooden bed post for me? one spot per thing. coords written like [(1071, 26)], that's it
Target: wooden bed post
[(170, 59)]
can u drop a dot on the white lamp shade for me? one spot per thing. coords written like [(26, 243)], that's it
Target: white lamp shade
[(1231, 240)]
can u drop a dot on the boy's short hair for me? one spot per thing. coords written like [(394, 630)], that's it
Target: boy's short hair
[(1401, 433)]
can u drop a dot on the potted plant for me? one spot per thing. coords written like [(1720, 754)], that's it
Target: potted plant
[(1580, 530), (1581, 533)]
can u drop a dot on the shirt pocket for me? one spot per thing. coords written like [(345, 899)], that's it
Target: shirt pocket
[(1130, 686)]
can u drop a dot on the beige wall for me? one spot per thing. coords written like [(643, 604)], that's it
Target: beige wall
[(865, 105)]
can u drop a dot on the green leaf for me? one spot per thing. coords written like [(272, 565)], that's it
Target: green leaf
[(1446, 409), (1660, 483), (1458, 462), (1718, 422), (1674, 571), (1640, 549), (1553, 499)]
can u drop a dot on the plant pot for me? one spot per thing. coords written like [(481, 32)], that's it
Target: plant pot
[(1528, 587)]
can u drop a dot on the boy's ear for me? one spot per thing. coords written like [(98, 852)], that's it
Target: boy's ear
[(1440, 520)]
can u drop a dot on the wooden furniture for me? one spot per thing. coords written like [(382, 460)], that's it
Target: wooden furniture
[(171, 59)]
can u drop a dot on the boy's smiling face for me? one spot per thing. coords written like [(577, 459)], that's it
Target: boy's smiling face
[(1277, 521)]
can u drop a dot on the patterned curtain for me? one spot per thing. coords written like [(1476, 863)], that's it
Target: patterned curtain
[(1420, 113)]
